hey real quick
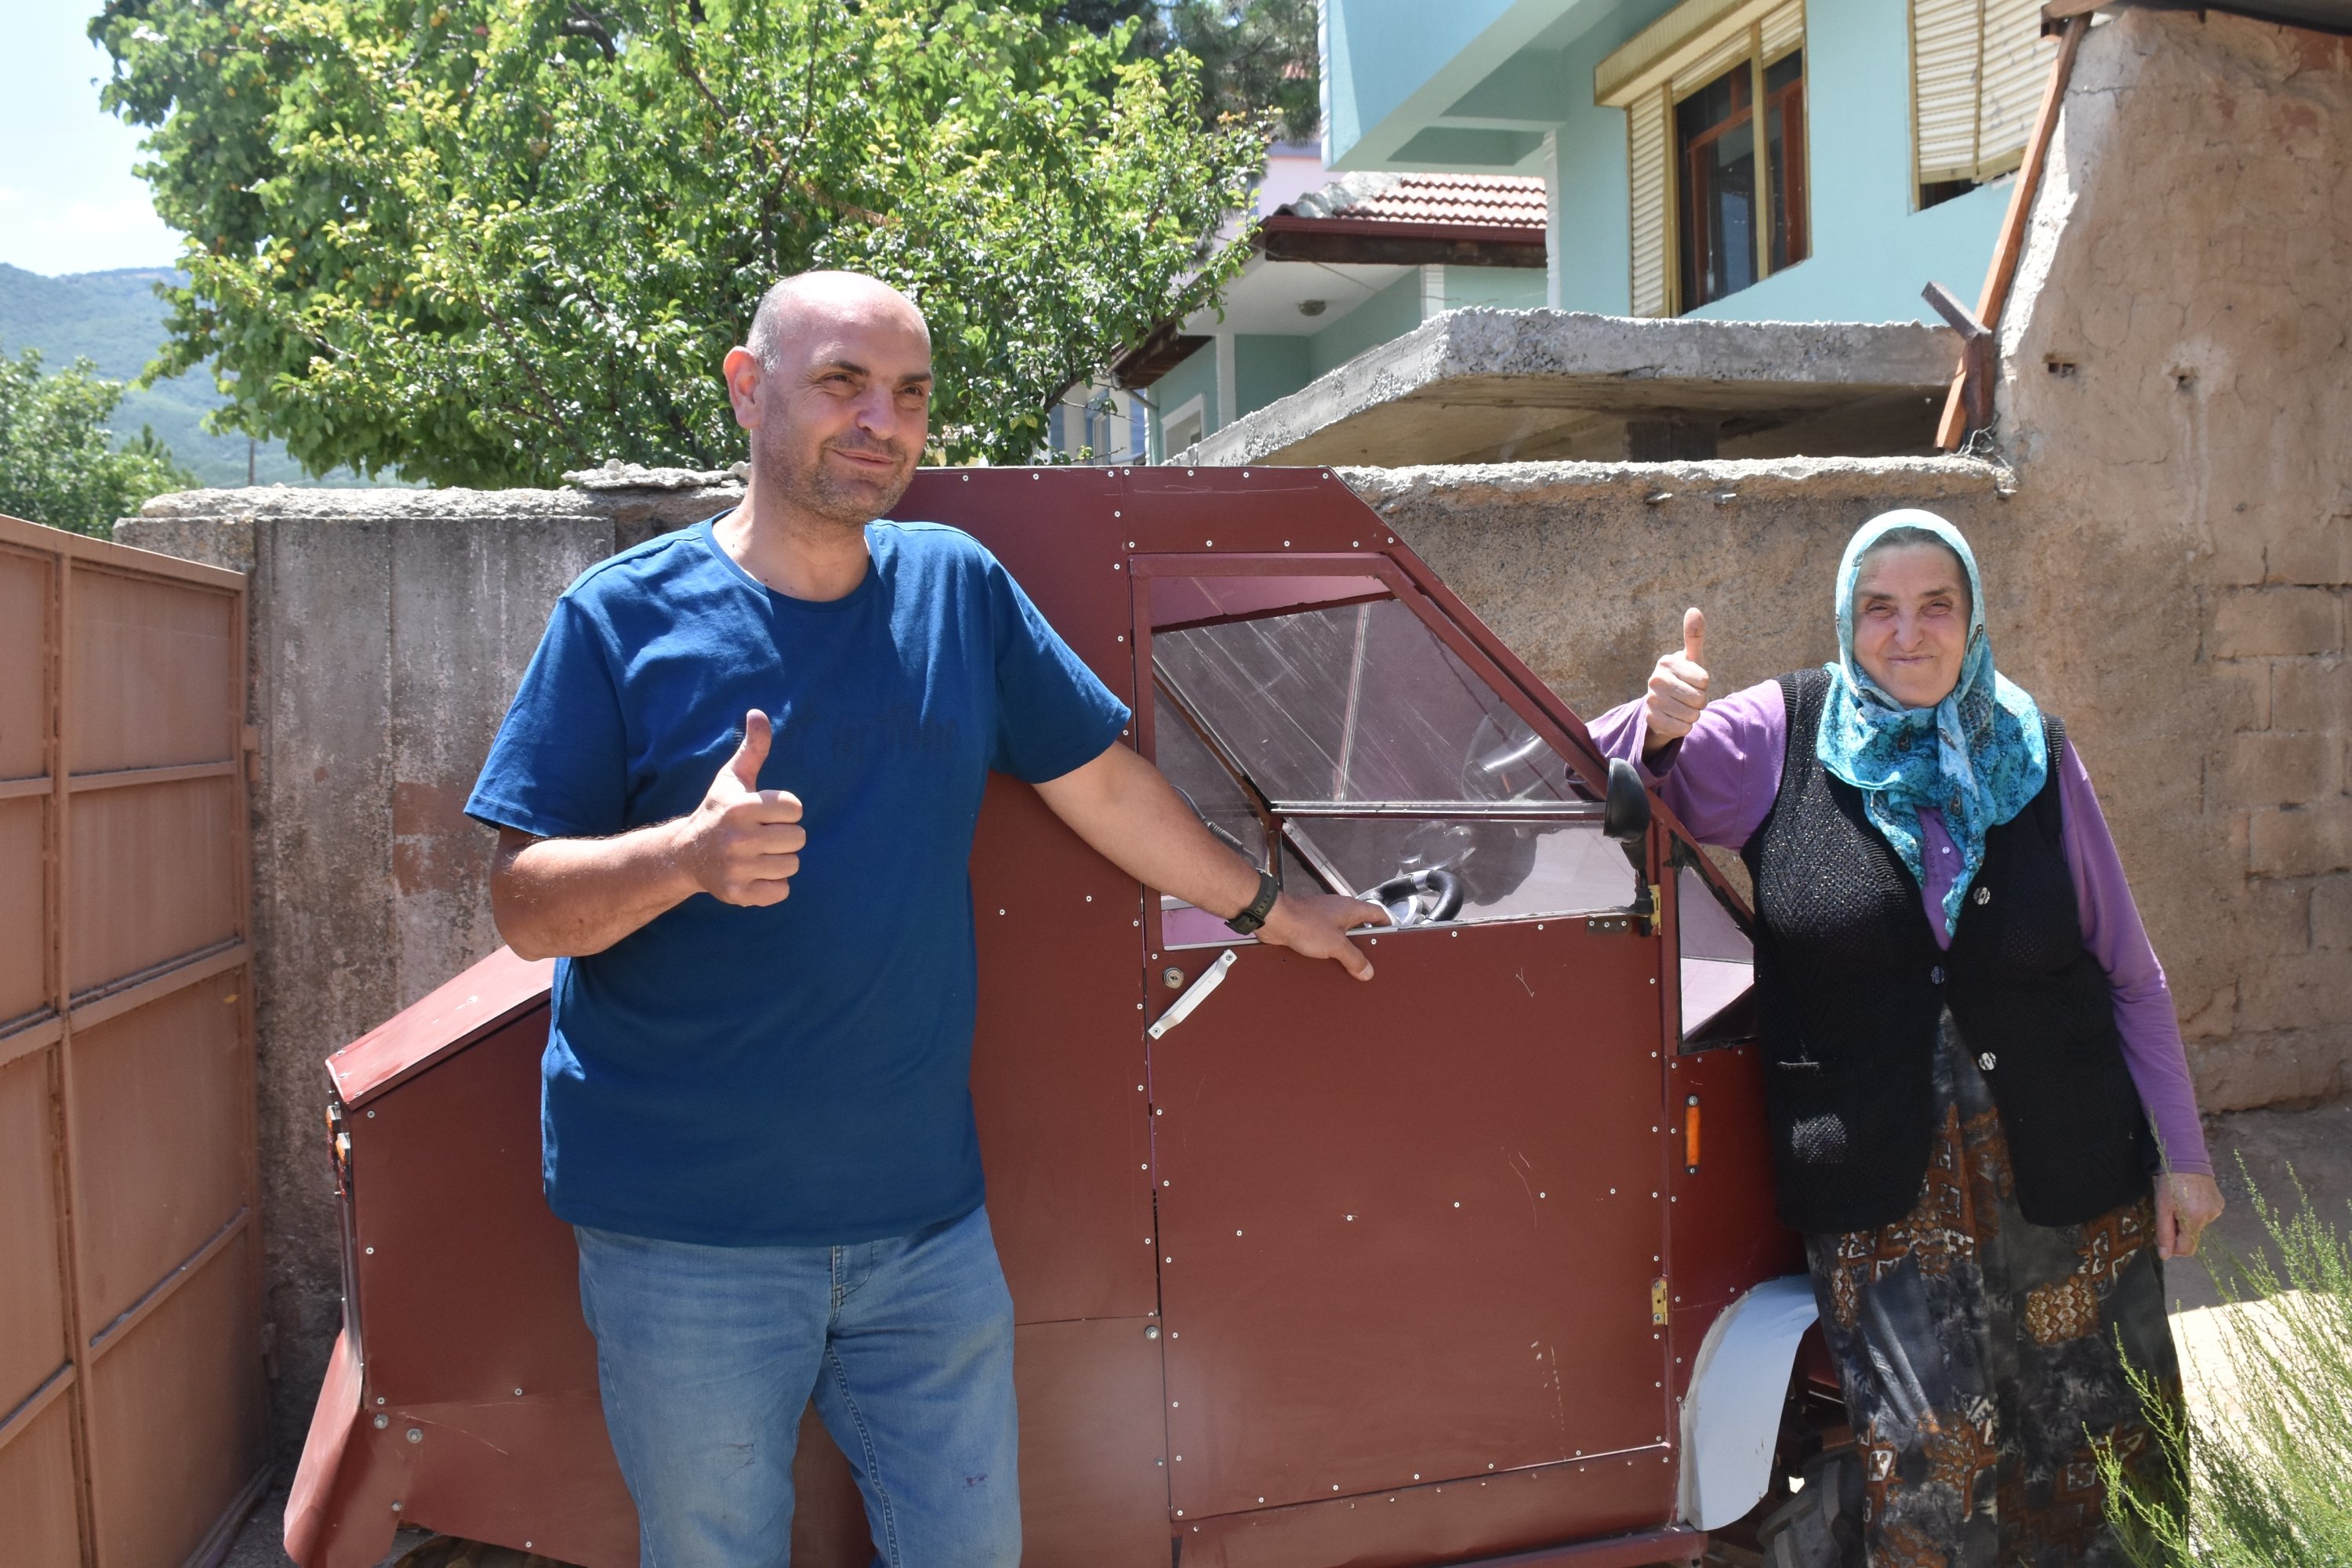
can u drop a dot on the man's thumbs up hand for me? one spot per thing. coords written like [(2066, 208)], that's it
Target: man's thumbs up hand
[(742, 843), (1679, 686)]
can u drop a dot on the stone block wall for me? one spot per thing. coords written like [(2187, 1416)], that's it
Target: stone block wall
[(2177, 388)]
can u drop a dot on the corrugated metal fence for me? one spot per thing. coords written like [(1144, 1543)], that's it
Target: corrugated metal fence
[(132, 1397)]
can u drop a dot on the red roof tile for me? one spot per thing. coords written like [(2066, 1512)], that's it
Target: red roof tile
[(1486, 201)]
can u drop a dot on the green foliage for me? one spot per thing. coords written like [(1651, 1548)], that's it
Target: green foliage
[(57, 460), (117, 320), (485, 241), (2269, 1478), (1258, 59)]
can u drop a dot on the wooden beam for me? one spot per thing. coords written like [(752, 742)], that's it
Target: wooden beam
[(1952, 431)]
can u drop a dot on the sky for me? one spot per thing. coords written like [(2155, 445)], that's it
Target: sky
[(68, 201)]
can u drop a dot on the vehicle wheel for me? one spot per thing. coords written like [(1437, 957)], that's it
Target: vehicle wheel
[(1821, 1526)]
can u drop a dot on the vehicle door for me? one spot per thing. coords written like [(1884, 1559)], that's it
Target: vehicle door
[(1409, 1230)]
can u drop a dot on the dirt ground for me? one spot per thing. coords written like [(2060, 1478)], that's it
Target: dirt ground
[(2315, 1145)]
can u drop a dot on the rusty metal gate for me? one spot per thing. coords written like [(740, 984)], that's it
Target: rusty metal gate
[(131, 1398)]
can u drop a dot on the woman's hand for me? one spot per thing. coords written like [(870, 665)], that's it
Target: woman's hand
[(1677, 688), (2185, 1204)]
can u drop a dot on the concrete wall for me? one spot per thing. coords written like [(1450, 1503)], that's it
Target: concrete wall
[(389, 628), (2178, 390)]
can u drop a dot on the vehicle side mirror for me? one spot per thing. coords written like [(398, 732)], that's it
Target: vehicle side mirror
[(1626, 815)]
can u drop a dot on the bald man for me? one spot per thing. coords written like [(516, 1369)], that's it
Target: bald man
[(735, 797)]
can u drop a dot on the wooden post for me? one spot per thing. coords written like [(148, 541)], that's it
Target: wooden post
[(1953, 430)]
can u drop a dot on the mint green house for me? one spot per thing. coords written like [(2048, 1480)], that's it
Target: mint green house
[(1875, 165)]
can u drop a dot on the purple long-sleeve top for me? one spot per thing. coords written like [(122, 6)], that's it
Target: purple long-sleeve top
[(1721, 781)]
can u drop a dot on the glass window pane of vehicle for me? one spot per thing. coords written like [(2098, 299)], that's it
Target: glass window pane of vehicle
[(1505, 870), (1211, 789), (1718, 967), (1355, 703)]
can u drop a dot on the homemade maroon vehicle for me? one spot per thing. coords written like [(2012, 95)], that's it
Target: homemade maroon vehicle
[(1476, 1261)]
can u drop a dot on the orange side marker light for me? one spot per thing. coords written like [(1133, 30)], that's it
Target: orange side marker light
[(1690, 1134)]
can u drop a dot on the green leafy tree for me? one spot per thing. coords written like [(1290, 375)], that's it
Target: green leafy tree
[(1259, 60), (58, 464), (486, 241)]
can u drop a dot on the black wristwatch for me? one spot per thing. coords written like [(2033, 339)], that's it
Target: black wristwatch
[(1246, 922)]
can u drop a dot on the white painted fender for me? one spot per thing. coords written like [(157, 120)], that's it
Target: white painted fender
[(1731, 1416)]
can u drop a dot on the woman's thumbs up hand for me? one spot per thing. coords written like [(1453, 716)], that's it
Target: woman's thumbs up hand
[(1677, 686)]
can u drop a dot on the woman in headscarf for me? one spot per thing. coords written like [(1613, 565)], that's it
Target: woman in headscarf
[(1982, 1117)]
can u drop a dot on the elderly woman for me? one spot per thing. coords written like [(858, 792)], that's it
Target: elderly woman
[(1965, 1040)]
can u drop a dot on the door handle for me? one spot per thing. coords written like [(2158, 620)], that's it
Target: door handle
[(1193, 995)]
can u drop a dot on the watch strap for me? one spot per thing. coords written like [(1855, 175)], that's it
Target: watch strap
[(1247, 922)]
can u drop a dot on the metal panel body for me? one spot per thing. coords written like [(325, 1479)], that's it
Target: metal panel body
[(1518, 1068), (130, 1359)]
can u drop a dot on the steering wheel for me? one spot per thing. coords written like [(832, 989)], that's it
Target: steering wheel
[(1420, 898)]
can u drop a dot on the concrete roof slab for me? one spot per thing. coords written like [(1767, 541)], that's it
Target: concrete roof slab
[(1450, 386)]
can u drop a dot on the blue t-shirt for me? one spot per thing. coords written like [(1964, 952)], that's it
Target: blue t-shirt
[(797, 1075)]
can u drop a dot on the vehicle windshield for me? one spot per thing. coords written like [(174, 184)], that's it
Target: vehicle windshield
[(1381, 756)]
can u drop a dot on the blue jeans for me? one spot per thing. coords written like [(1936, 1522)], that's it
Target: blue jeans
[(707, 1356)]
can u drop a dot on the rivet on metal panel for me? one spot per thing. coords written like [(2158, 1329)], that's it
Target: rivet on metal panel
[(371, 1252), (1543, 1195), (1180, 1458), (1090, 898), (1352, 1217), (381, 1421), (1180, 1513), (517, 1393), (1151, 1331), (1285, 544), (1457, 1203), (1000, 911), (370, 1116), (379, 1399), (395, 1505), (1188, 473), (1117, 567), (1237, 1233), (1122, 636), (1174, 1335), (1246, 473), (1416, 1476), (1208, 544), (416, 1434), (1355, 544)]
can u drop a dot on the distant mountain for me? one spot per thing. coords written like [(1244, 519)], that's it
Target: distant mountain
[(117, 320)]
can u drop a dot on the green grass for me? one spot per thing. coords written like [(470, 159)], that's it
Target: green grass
[(2268, 1474)]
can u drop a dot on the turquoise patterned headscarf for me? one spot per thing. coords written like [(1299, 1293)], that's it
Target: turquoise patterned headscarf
[(1979, 757)]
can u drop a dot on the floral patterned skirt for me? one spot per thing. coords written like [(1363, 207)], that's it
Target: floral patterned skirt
[(1981, 1355)]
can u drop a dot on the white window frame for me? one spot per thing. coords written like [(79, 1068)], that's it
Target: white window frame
[(1195, 407)]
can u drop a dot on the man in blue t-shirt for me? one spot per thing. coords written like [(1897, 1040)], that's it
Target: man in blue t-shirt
[(735, 796)]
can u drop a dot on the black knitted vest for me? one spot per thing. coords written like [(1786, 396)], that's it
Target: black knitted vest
[(1851, 986)]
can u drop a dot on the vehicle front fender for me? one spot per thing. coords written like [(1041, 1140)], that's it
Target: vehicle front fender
[(1731, 1416)]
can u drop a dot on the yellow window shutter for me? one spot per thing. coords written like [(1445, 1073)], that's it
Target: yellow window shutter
[(1705, 67), (1784, 29), (2016, 69), (1947, 68), (1650, 166)]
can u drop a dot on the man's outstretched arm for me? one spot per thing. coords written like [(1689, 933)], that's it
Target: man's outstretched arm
[(1134, 818), (567, 898)]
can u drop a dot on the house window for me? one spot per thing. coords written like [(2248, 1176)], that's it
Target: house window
[(1715, 139), (1182, 426), (1978, 69), (1719, 190)]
